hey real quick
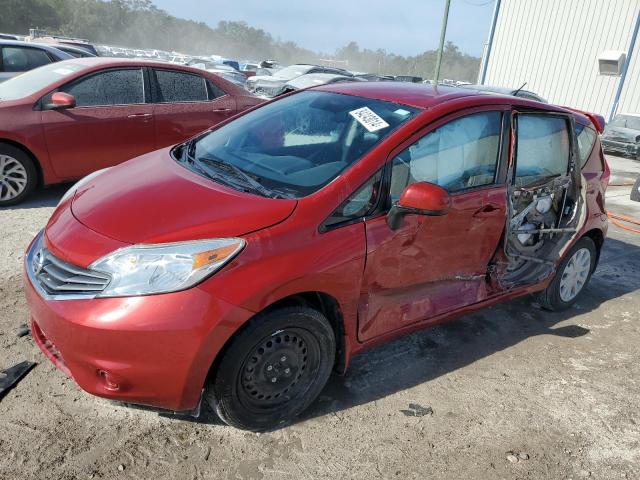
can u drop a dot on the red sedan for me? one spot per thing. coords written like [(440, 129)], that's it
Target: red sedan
[(255, 259), (65, 120)]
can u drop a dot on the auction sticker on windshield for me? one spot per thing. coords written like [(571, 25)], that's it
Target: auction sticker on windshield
[(368, 119)]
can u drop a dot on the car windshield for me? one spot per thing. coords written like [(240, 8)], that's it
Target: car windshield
[(626, 121), (294, 146), (291, 72), (32, 81)]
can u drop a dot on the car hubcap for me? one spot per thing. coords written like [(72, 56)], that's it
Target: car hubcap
[(279, 368), (13, 178), (575, 274)]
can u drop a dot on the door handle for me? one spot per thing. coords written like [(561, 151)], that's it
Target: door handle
[(488, 210), (222, 110), (135, 116)]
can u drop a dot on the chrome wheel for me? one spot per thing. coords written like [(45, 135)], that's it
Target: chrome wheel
[(575, 274), (13, 178)]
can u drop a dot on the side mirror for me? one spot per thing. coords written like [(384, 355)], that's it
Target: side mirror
[(61, 101), (420, 198)]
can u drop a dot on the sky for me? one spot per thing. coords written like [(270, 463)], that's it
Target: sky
[(405, 27)]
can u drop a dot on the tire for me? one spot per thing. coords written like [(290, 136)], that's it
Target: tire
[(635, 191), (273, 369), (557, 296), (18, 175)]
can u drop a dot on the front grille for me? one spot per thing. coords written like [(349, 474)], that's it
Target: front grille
[(57, 277)]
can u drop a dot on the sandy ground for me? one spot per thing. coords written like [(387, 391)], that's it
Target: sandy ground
[(510, 392)]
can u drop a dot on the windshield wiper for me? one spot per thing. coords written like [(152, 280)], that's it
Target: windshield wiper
[(187, 155), (238, 173)]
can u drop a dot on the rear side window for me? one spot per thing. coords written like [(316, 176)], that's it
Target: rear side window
[(586, 138), (113, 87), (22, 59), (542, 148), (174, 86)]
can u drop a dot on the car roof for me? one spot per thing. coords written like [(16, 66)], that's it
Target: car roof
[(64, 47), (429, 96), (414, 94), (18, 43)]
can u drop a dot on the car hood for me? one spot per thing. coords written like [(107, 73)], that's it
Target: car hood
[(153, 199), (626, 134)]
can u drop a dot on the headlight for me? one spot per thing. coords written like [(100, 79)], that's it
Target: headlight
[(81, 182), (148, 269)]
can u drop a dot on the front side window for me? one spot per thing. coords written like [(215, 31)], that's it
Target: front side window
[(458, 155), (113, 87), (176, 86), (298, 144), (542, 148), (22, 59)]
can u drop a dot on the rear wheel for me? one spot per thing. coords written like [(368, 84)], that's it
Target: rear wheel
[(572, 276), (273, 369), (18, 176)]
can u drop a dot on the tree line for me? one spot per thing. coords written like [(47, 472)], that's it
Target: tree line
[(140, 24)]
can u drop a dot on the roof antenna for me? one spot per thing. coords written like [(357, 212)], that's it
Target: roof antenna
[(515, 94)]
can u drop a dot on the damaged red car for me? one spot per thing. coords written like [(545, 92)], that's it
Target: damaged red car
[(245, 265)]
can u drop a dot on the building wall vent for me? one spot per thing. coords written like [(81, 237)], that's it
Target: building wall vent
[(611, 62)]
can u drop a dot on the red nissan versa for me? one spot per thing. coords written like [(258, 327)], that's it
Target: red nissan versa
[(68, 119), (249, 262)]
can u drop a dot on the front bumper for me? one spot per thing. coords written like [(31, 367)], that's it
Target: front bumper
[(625, 148), (150, 350)]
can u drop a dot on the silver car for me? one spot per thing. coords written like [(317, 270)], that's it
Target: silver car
[(18, 57)]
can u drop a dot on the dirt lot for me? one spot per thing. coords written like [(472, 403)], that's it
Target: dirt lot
[(509, 392)]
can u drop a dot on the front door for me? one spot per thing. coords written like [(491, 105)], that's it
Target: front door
[(432, 265), (110, 124)]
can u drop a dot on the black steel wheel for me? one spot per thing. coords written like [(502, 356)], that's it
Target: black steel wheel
[(273, 369)]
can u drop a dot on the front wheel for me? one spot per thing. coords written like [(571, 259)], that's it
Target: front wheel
[(572, 276), (273, 369)]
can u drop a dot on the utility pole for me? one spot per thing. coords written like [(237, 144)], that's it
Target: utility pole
[(443, 33)]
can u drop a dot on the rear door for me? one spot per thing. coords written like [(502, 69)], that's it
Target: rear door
[(110, 124), (432, 265), (186, 104)]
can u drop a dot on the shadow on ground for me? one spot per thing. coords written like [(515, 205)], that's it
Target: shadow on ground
[(43, 197)]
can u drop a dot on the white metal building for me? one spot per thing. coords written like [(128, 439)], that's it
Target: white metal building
[(561, 48)]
